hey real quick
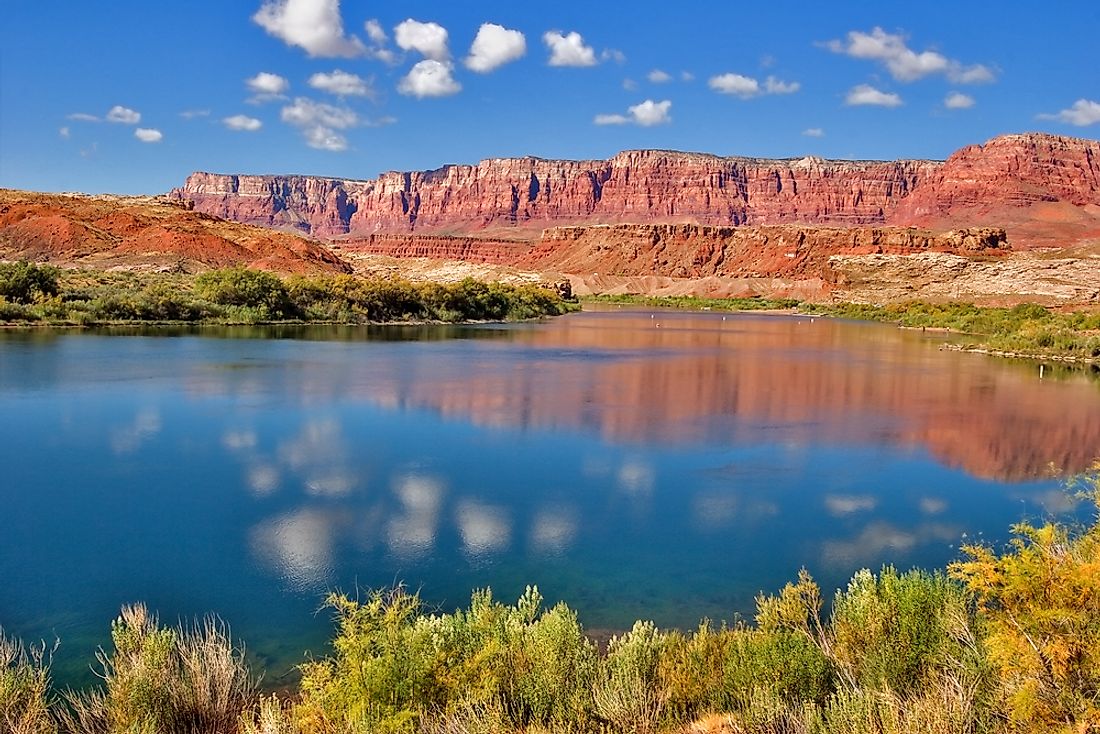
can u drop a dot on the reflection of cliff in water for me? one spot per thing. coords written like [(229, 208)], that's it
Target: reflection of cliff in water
[(679, 377)]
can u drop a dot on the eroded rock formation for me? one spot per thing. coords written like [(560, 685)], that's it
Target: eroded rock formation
[(980, 185)]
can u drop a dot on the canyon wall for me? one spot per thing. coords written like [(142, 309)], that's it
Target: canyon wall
[(980, 185)]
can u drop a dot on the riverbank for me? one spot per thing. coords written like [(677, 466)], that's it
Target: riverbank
[(999, 641), (1026, 331), (41, 295)]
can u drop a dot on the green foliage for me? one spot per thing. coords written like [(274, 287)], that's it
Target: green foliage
[(630, 694), (1042, 603), (162, 681), (243, 296), (25, 697), (248, 288), (26, 282)]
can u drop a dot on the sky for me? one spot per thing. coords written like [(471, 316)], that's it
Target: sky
[(130, 96)]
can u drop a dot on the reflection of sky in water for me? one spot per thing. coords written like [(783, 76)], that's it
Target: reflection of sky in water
[(670, 476)]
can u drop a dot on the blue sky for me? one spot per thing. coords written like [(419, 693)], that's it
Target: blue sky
[(130, 97)]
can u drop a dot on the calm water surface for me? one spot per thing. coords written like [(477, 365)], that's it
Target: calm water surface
[(633, 463)]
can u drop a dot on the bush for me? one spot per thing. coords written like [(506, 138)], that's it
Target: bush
[(1042, 603), (26, 282), (168, 681), (24, 689), (248, 288)]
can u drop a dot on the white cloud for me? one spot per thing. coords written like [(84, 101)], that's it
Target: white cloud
[(494, 47), (1083, 112), (958, 101), (430, 78), (657, 76), (429, 39), (736, 84), (865, 94), (123, 115), (64, 133), (687, 76), (267, 85), (568, 50), (611, 119), (319, 123), (903, 63), (243, 123), (651, 113), (148, 135), (646, 114), (630, 85), (341, 83), (313, 25), (194, 114), (379, 42), (813, 132), (613, 54), (777, 86), (82, 117)]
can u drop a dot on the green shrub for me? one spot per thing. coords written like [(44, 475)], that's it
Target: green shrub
[(247, 288), (25, 698), (630, 694), (26, 282), (167, 681)]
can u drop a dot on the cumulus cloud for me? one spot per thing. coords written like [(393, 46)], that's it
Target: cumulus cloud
[(687, 76), (123, 115), (379, 42), (267, 85), (903, 63), (430, 78), (494, 47), (657, 76), (194, 114), (778, 86), (736, 84), (813, 132), (319, 123), (341, 83), (646, 114), (242, 123), (1083, 112), (630, 85), (745, 87), (613, 54), (568, 49), (148, 135), (428, 39), (83, 117), (958, 101), (64, 133), (865, 94), (315, 26)]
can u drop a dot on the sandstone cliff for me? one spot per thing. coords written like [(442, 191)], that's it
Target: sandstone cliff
[(996, 184)]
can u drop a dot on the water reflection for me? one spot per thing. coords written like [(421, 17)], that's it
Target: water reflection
[(670, 473)]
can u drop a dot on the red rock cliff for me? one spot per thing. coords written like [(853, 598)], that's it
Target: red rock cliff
[(978, 185)]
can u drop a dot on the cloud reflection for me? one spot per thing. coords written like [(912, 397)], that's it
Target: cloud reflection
[(299, 546), (553, 531), (128, 439), (840, 505), (485, 529), (412, 533)]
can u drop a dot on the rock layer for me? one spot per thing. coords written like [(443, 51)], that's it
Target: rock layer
[(976, 186)]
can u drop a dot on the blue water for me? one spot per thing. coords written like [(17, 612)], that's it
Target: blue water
[(635, 464)]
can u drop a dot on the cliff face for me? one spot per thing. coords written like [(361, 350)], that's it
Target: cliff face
[(978, 185), (785, 251)]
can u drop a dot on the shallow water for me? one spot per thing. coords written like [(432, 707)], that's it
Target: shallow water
[(665, 465)]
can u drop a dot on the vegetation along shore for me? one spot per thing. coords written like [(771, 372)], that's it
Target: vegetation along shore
[(1002, 641), (1024, 330), (45, 295)]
